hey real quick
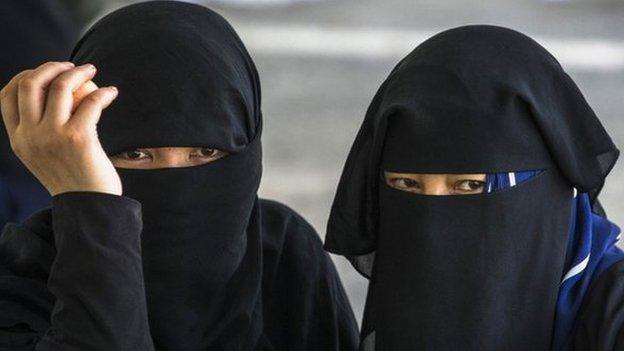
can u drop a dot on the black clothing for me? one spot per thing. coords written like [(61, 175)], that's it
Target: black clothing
[(186, 79), (480, 271), (601, 323), (84, 256)]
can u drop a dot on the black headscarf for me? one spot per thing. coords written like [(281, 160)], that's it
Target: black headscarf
[(472, 272), (186, 79), (219, 269)]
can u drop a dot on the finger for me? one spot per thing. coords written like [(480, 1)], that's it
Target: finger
[(60, 94), (90, 109), (84, 90), (32, 89), (13, 82), (8, 102)]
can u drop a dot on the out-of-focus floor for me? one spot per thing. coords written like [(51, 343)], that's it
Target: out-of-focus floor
[(320, 63)]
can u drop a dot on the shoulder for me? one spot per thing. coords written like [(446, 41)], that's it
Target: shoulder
[(290, 242), (282, 223), (601, 321)]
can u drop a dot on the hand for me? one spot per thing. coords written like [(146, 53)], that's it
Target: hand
[(56, 140)]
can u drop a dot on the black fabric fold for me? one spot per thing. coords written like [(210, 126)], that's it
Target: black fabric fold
[(480, 271), (471, 272), (601, 323), (463, 79), (88, 292), (184, 79), (311, 314)]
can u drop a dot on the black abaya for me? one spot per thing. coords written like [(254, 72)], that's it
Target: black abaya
[(199, 278), (100, 284), (480, 271)]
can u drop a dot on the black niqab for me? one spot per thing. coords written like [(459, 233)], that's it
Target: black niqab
[(198, 262), (472, 272), (201, 239)]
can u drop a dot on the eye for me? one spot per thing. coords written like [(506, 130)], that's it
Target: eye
[(208, 152), (133, 155), (404, 183), (469, 185)]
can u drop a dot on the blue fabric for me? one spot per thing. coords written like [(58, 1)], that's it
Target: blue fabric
[(5, 208), (591, 251), (20, 196), (498, 181)]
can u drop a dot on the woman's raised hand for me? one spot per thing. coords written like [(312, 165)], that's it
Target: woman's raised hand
[(50, 114)]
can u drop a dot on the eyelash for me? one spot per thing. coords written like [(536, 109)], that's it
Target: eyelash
[(415, 185), (125, 155), (213, 152), (397, 181), (480, 184)]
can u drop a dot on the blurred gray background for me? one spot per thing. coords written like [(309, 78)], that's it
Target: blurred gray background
[(320, 63)]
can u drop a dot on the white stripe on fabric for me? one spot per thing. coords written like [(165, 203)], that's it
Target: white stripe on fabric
[(512, 179), (574, 192), (580, 267)]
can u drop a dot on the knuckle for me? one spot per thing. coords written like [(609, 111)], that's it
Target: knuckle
[(59, 85), (93, 99), (24, 73), (52, 64), (75, 138), (28, 83)]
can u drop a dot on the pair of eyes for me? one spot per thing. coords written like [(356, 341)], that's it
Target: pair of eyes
[(141, 154), (461, 186)]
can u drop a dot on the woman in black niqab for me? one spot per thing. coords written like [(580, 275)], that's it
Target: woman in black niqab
[(484, 271), (220, 268)]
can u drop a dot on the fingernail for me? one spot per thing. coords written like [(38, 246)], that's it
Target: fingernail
[(70, 64), (89, 67), (113, 90)]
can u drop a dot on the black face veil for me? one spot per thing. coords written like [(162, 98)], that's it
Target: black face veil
[(472, 272), (185, 79)]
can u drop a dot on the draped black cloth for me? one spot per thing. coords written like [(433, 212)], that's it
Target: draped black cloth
[(62, 251), (189, 258), (480, 271)]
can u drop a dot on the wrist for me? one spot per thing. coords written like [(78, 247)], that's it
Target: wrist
[(86, 188)]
